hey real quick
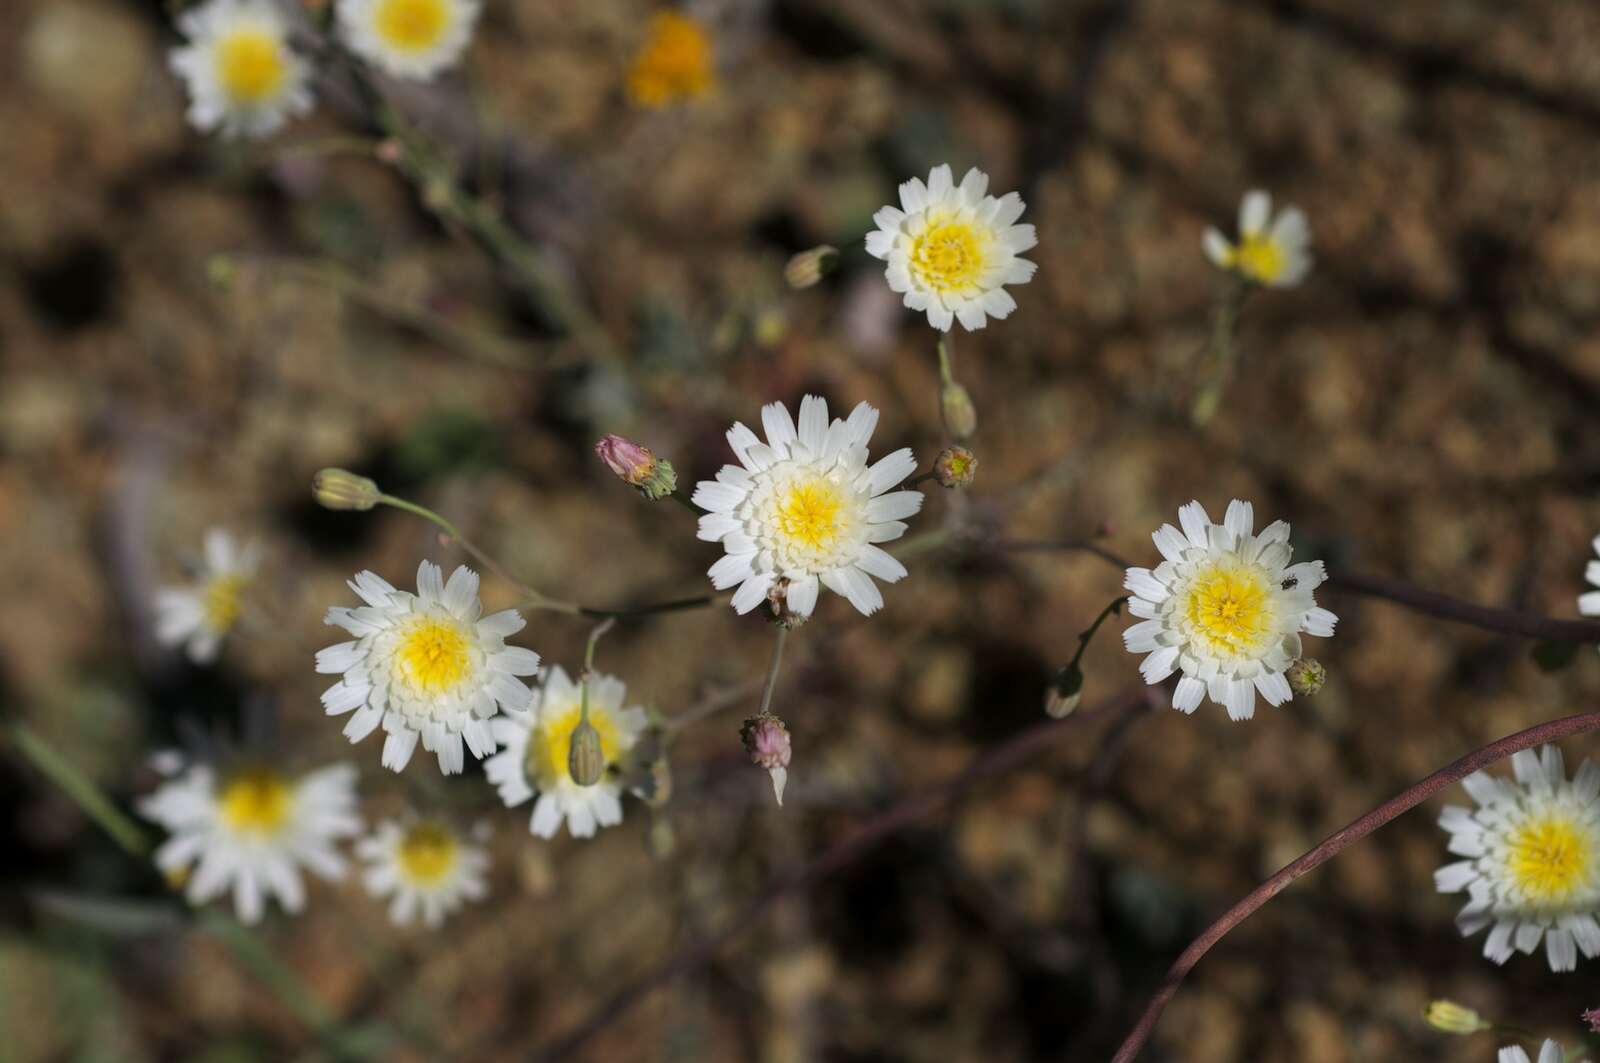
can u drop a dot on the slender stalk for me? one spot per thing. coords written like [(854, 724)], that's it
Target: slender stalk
[(772, 670), (1224, 351), (1330, 847), (468, 545), (588, 666), (83, 791), (684, 962), (1506, 621), (685, 501)]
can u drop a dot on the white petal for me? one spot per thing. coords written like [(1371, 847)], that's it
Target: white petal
[(1254, 211), (752, 592), (890, 470)]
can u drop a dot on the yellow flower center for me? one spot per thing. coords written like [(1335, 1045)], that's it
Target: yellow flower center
[(1229, 606), (1260, 259), (433, 655), (251, 65), (427, 853), (809, 513), (412, 25), (674, 64), (1551, 858), (551, 743), (256, 801), (222, 601), (948, 256)]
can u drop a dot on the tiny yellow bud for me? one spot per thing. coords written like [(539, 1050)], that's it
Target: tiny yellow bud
[(342, 489), (586, 762), (955, 467), (1306, 676), (1450, 1017)]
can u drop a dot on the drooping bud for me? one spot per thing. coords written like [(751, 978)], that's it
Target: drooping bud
[(778, 602), (1450, 1017), (344, 490), (1066, 690), (635, 465), (808, 267), (960, 415), (1306, 676), (586, 761), (955, 467), (766, 739)]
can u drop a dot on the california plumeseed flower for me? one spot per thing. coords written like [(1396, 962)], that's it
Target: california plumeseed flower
[(413, 39), (952, 248), (538, 754), (242, 76), (423, 864), (340, 489), (250, 829), (676, 62), (1450, 1017), (426, 665), (955, 467), (1225, 608), (766, 739), (1532, 871), (1278, 256), (805, 506), (637, 466), (1549, 1052), (199, 616)]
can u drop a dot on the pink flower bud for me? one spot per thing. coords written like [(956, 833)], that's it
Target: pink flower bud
[(627, 459), (766, 739), (1592, 1017)]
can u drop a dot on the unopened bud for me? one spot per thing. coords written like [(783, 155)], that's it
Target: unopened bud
[(766, 739), (1592, 1017), (955, 467), (390, 152), (634, 464), (586, 761), (778, 602), (960, 415), (1066, 690), (808, 267), (342, 489), (1306, 676), (1450, 1017)]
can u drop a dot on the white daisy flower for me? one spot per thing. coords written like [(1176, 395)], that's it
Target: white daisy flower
[(199, 616), (1589, 602), (1225, 608), (242, 76), (1533, 859), (251, 830), (1278, 257), (408, 38), (805, 508), (425, 664), (951, 248), (537, 745), (1549, 1052), (423, 863)]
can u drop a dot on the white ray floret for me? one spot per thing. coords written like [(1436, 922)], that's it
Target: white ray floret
[(408, 38), (538, 743), (423, 864), (250, 829), (198, 617), (1532, 871), (1225, 608), (804, 510), (1549, 1052), (242, 76), (951, 249), (426, 665), (1273, 252), (1589, 601)]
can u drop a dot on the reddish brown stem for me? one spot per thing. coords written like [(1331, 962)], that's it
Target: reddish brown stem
[(1332, 846)]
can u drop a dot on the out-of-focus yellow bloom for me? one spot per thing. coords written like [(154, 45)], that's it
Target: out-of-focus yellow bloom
[(674, 64)]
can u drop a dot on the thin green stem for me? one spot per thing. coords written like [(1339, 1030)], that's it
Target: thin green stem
[(772, 670), (588, 666), (683, 500), (322, 146), (1224, 350), (472, 549), (946, 348), (83, 791), (1114, 606)]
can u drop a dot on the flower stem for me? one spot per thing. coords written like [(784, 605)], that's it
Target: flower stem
[(83, 791), (772, 670)]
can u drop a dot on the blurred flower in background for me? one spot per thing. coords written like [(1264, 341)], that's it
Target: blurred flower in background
[(675, 64), (243, 78), (423, 864), (413, 39), (198, 617), (1278, 257)]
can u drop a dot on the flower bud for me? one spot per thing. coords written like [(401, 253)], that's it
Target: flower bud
[(808, 267), (778, 602), (766, 739), (960, 415), (955, 467), (342, 489), (1592, 1017), (1066, 690), (1306, 676), (1450, 1017), (586, 761), (634, 464)]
